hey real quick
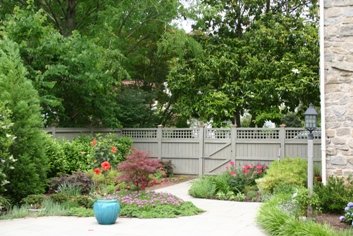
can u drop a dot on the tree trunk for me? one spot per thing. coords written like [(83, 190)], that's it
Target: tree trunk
[(70, 17), (236, 117), (268, 5)]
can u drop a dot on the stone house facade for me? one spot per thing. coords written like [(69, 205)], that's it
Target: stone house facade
[(338, 85)]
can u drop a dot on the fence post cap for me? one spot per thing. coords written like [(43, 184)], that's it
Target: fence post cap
[(283, 126), (160, 126)]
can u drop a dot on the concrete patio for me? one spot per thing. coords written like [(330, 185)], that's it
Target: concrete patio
[(222, 218)]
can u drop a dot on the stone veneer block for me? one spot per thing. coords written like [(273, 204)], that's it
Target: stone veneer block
[(339, 86)]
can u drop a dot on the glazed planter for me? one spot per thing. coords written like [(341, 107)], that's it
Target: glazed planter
[(106, 211)]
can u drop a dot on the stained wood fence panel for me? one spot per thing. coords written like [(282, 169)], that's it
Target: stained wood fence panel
[(207, 151)]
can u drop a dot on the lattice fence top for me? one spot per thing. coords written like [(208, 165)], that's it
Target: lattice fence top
[(139, 133), (301, 134), (257, 133), (180, 133), (217, 134)]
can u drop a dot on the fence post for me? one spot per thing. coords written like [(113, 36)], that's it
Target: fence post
[(201, 149), (159, 140), (53, 131), (282, 138), (233, 140)]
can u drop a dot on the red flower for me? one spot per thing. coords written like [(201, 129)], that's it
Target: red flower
[(105, 165), (232, 173), (232, 163), (114, 149), (97, 171), (94, 142)]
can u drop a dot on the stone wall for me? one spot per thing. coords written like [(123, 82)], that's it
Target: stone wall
[(339, 86)]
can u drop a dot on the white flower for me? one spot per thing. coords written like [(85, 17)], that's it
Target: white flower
[(295, 71)]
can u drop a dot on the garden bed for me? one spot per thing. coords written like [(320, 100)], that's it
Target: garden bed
[(332, 220)]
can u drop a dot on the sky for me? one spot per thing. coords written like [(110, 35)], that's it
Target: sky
[(182, 23)]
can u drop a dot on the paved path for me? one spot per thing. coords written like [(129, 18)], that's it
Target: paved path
[(222, 218)]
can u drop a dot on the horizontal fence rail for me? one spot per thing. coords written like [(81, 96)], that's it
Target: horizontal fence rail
[(208, 150)]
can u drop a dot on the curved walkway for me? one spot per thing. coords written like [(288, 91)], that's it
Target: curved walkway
[(222, 218)]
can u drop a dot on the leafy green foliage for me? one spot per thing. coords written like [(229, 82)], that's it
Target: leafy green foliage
[(203, 188), (6, 140), (19, 96), (109, 148), (135, 109), (302, 199), (291, 120), (77, 80), (77, 154), (34, 200), (236, 184), (289, 171), (5, 204), (277, 221), (253, 58), (335, 194), (58, 163)]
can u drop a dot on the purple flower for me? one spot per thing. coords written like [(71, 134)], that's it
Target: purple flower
[(346, 209), (342, 218), (350, 205)]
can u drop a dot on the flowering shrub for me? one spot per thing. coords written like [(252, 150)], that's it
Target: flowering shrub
[(348, 215), (245, 176), (109, 148), (136, 169)]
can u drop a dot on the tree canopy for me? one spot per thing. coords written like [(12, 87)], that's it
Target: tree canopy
[(245, 56), (257, 56)]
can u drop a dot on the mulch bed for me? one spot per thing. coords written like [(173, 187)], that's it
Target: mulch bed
[(171, 181), (332, 220)]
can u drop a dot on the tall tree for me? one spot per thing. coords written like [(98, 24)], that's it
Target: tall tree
[(78, 80), (252, 52)]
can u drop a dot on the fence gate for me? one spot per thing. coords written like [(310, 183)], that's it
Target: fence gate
[(217, 150)]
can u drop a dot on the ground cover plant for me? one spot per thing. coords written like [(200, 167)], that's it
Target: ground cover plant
[(237, 183), (155, 205)]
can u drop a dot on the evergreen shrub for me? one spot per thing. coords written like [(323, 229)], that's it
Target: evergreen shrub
[(20, 97)]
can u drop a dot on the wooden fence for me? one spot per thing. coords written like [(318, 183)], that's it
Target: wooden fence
[(207, 151)]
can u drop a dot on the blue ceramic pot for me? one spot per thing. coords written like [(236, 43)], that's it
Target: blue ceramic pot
[(106, 211)]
